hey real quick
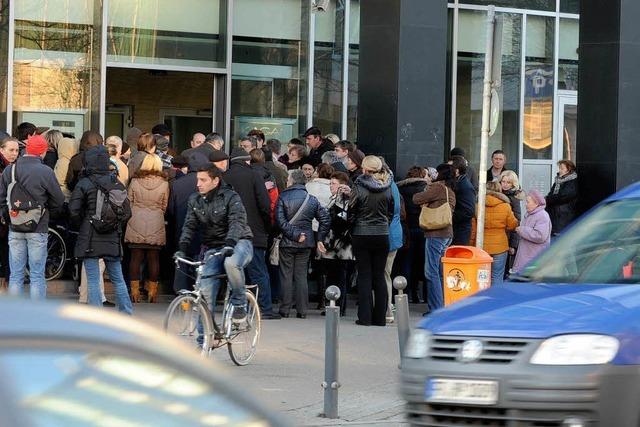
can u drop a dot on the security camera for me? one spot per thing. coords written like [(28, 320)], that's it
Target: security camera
[(320, 5)]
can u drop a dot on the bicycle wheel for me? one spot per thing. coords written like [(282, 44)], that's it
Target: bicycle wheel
[(190, 321), (243, 339)]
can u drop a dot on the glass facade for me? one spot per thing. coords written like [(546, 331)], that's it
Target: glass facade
[(354, 66), (54, 62), (4, 58), (166, 32), (568, 54), (268, 91)]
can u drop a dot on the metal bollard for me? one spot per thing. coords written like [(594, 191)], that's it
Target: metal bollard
[(402, 313), (330, 383)]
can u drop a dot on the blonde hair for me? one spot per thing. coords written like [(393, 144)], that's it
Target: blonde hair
[(151, 163), (512, 177), (372, 165)]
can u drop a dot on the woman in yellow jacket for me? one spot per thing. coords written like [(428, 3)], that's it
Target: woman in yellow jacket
[(498, 221)]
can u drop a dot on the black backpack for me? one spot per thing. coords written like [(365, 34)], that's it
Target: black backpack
[(110, 211)]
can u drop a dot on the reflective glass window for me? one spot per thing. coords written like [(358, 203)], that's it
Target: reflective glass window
[(167, 32), (4, 65), (570, 6), (505, 94), (568, 54), (56, 64), (269, 68), (327, 69), (549, 5), (539, 88), (354, 65)]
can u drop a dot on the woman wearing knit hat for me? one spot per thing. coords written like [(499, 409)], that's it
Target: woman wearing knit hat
[(371, 210), (534, 231)]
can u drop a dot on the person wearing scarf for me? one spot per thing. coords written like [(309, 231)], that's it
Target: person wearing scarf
[(561, 200)]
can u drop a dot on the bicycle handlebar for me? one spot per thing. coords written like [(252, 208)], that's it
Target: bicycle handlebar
[(222, 252)]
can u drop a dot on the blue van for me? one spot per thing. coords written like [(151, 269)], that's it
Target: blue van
[(557, 345)]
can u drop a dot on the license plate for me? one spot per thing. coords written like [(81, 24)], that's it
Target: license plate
[(473, 392)]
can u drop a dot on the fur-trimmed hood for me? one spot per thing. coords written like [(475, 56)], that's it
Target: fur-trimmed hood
[(409, 181), (493, 198), (373, 185)]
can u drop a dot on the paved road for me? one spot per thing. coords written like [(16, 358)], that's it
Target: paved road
[(288, 369)]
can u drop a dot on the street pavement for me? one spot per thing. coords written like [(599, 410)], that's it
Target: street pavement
[(287, 370)]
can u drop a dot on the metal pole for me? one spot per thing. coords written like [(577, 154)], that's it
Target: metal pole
[(402, 313), (330, 383), (486, 126)]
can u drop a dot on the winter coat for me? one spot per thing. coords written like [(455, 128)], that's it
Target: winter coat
[(434, 196), (498, 220), (464, 212), (82, 206), (408, 188), (271, 187), (218, 217), (371, 208), (181, 190), (338, 242), (135, 162), (319, 188), (515, 197), (75, 167), (535, 237), (395, 227), (149, 196), (40, 181), (289, 202), (561, 201), (67, 148), (199, 155), (315, 154), (279, 173), (250, 187), (51, 158)]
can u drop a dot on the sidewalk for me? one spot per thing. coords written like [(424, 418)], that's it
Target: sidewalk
[(288, 369)]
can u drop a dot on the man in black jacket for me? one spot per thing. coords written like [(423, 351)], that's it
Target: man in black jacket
[(40, 187), (217, 213), (465, 208), (200, 154), (317, 146), (252, 191)]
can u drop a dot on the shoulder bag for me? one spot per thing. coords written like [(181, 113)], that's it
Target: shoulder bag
[(436, 218)]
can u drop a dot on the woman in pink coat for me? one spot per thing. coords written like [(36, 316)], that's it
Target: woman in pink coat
[(534, 231)]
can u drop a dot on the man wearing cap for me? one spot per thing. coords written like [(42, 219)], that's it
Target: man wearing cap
[(162, 150), (43, 188), (200, 154), (317, 145), (162, 130), (253, 193), (471, 172), (220, 159)]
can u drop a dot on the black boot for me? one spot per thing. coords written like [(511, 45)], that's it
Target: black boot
[(322, 287)]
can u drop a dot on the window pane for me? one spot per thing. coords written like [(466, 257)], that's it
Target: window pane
[(4, 66), (354, 65), (520, 4), (568, 55), (167, 32), (539, 80), (327, 70), (56, 63), (570, 6), (471, 54), (269, 68)]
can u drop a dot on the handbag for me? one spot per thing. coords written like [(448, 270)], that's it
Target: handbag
[(274, 254), (436, 218)]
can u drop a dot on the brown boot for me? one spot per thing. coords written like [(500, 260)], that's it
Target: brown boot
[(152, 291), (135, 291)]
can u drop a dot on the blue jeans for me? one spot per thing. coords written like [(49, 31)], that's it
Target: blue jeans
[(31, 247), (259, 275), (234, 267), (434, 248), (114, 269), (497, 268)]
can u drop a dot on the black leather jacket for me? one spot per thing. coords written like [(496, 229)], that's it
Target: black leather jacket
[(371, 206), (218, 216)]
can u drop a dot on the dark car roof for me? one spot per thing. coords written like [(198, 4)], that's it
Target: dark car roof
[(52, 321)]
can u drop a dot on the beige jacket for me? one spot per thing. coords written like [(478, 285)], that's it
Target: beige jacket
[(148, 195), (67, 148)]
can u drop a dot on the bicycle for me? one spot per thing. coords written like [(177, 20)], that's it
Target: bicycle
[(189, 318)]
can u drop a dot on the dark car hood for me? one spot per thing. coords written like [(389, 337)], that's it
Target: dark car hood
[(540, 311)]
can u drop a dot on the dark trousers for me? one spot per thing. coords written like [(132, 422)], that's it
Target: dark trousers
[(371, 256), (258, 274), (413, 263), (294, 264)]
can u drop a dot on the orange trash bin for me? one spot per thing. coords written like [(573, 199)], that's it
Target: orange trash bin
[(466, 270)]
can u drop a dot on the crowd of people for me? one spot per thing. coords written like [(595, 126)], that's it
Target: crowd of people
[(318, 207)]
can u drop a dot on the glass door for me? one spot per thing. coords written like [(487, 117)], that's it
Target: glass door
[(567, 126)]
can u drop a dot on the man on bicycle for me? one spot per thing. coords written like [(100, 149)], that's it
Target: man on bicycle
[(217, 213)]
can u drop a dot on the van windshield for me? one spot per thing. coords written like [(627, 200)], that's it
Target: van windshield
[(604, 247)]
